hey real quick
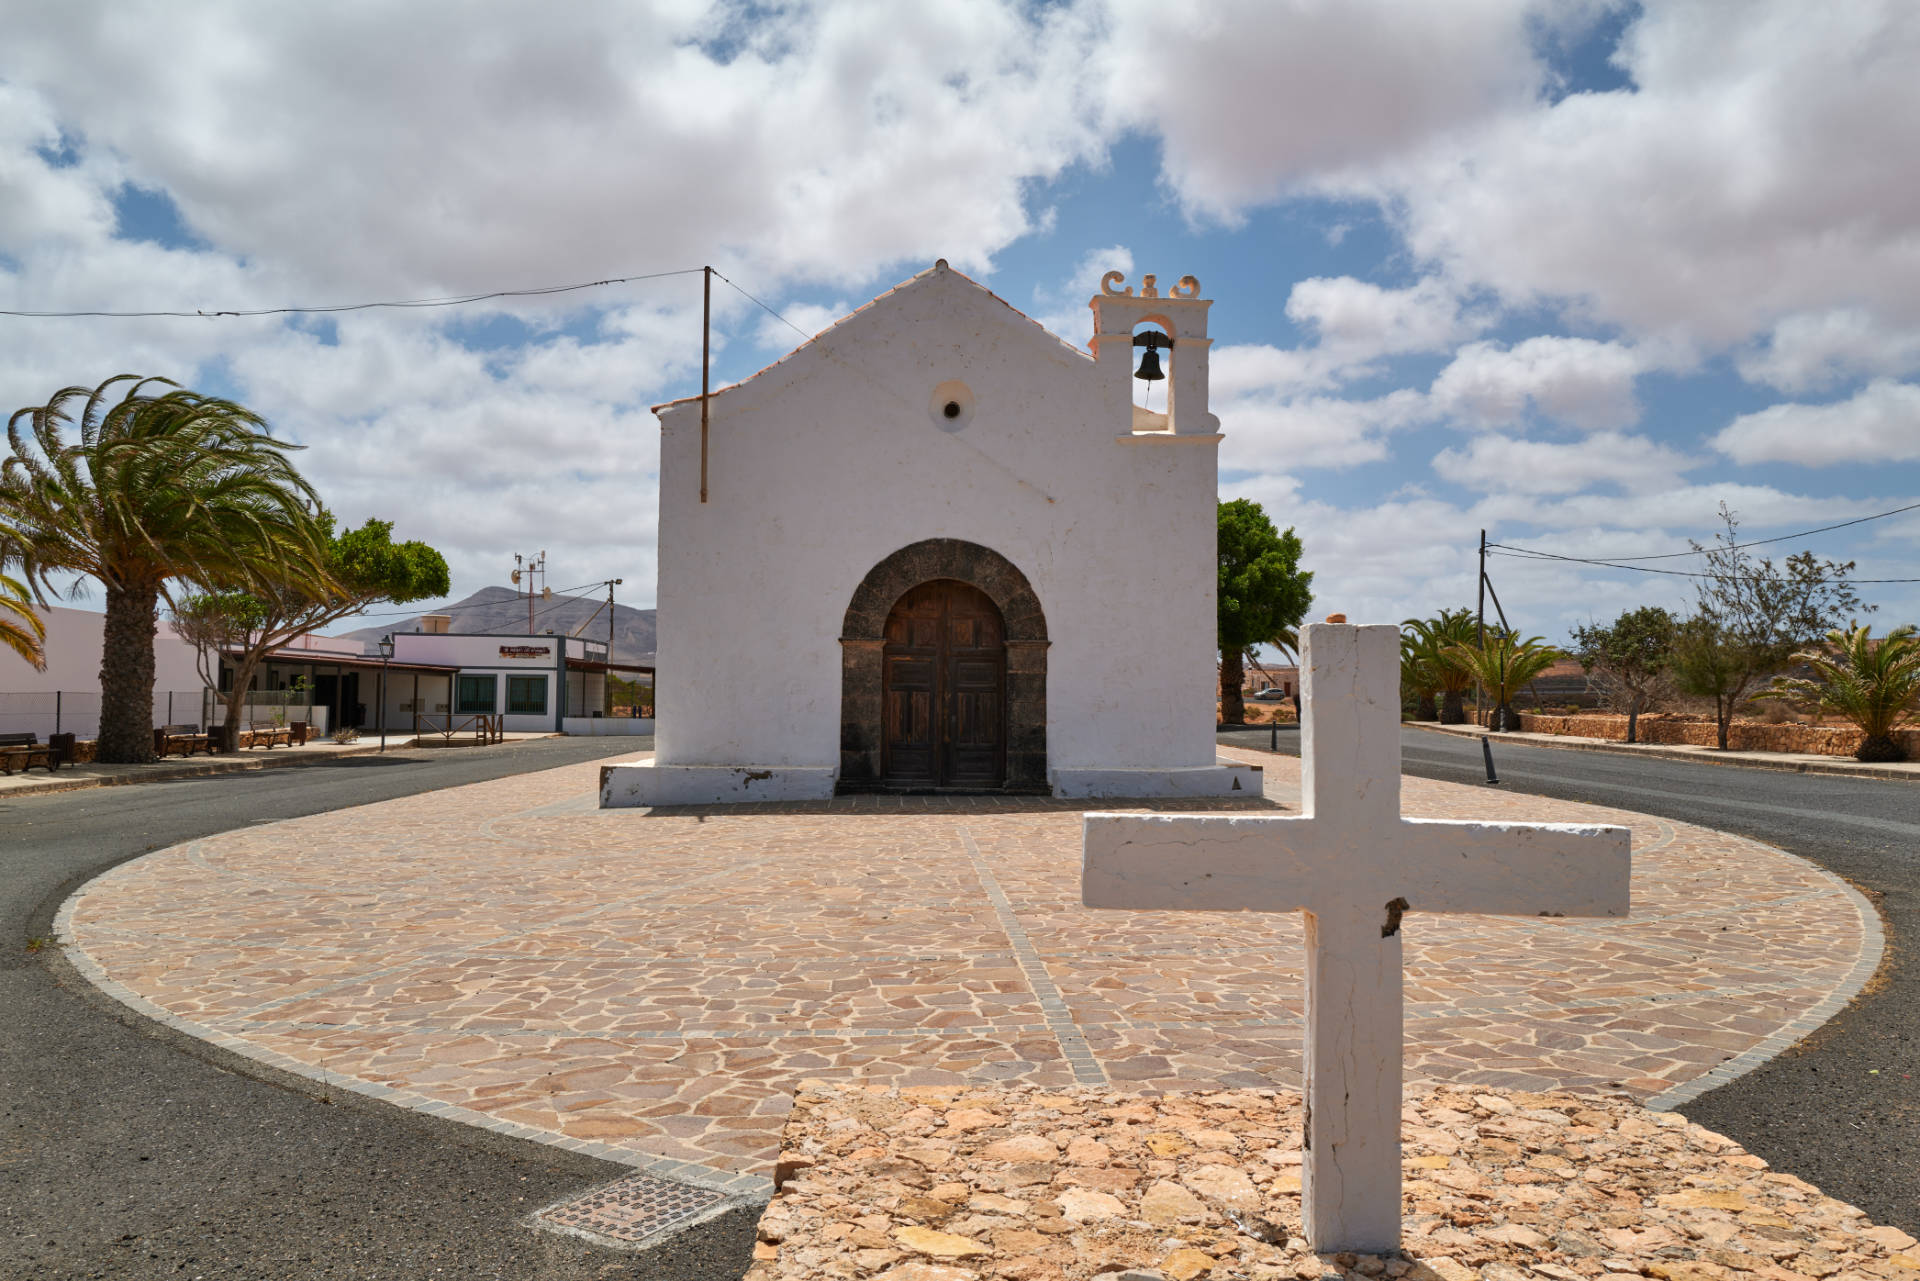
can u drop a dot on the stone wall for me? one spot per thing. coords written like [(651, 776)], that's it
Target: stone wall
[(1742, 736)]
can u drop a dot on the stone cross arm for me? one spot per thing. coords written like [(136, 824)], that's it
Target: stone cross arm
[(1164, 862)]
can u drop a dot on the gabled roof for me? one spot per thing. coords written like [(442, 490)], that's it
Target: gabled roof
[(939, 268)]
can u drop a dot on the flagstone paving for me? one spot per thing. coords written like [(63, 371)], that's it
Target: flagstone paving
[(653, 986)]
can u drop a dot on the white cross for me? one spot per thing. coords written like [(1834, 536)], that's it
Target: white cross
[(1354, 866)]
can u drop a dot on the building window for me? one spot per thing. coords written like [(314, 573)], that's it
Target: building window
[(476, 694), (527, 695)]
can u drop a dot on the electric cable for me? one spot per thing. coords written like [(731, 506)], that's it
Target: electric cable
[(1758, 542), (457, 300)]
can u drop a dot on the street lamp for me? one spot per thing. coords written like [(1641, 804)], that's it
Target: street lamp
[(386, 653)]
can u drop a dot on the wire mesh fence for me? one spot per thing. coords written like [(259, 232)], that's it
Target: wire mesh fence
[(77, 712)]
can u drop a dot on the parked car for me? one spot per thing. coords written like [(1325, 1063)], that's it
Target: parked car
[(1271, 695)]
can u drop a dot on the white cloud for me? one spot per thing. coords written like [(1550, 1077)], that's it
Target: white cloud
[(1576, 381), (1360, 321), (1880, 423), (1268, 433), (473, 146), (1063, 309), (1746, 178), (1251, 97), (797, 323), (1810, 351), (1500, 463)]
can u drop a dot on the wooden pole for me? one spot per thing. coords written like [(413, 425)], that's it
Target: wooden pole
[(706, 332)]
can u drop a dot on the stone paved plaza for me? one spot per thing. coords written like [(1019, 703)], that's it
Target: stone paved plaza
[(653, 986)]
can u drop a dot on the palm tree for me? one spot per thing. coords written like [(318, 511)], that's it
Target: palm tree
[(1872, 683), (157, 489), (1501, 666), (23, 637), (1432, 640), (1418, 678)]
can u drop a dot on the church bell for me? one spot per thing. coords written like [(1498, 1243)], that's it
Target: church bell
[(1153, 341)]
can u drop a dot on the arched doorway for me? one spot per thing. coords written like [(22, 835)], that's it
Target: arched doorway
[(943, 689), (864, 682)]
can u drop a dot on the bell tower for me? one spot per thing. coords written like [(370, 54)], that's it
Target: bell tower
[(1182, 315)]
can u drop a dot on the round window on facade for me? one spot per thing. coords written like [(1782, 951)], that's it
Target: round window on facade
[(952, 405)]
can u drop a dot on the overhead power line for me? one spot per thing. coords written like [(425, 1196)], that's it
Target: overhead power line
[(457, 300), (763, 307), (1625, 561), (1515, 554)]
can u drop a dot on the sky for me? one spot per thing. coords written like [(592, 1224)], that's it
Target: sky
[(1576, 274)]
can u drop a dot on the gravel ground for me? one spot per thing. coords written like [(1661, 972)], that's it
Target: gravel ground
[(1841, 1109), (128, 1151)]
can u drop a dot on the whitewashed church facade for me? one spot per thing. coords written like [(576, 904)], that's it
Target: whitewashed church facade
[(981, 565)]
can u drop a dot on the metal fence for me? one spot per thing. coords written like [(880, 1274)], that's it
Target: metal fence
[(77, 712)]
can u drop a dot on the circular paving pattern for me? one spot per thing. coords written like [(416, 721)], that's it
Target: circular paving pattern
[(653, 986)]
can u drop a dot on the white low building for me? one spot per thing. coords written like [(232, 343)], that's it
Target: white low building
[(983, 565), (434, 680)]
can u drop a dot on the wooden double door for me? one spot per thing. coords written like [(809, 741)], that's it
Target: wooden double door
[(944, 690)]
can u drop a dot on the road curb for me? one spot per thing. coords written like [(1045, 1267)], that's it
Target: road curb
[(1658, 753), (205, 769)]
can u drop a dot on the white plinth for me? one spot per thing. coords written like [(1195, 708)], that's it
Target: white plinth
[(1225, 778), (647, 783)]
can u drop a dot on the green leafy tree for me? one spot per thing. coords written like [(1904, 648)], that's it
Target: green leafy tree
[(1754, 615), (1872, 683), (1262, 592), (1432, 640), (23, 633), (149, 491), (1502, 665), (1628, 660), (1707, 663), (361, 568)]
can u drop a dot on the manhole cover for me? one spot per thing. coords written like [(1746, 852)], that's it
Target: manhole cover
[(634, 1209)]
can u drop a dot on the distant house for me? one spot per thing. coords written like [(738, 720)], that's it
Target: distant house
[(534, 682)]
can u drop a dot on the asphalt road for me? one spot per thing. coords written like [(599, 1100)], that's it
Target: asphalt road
[(129, 1151), (1842, 1108)]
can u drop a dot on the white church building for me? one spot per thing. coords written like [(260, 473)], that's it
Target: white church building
[(985, 567)]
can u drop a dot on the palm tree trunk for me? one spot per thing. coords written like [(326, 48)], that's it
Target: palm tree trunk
[(126, 676), (1453, 707), (1233, 711), (1423, 708)]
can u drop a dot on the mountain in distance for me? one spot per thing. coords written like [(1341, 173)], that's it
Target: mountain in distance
[(503, 611)]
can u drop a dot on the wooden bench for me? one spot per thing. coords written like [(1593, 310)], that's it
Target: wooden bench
[(184, 739), (258, 732), (24, 751)]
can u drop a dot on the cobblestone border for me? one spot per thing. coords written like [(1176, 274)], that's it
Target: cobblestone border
[(1070, 1036), (1873, 946), (738, 1188)]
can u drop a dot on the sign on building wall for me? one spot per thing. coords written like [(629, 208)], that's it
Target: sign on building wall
[(525, 651)]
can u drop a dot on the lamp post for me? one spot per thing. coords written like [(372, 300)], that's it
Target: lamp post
[(386, 653)]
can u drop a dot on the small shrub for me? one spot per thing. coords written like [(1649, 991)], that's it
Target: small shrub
[(1774, 712), (346, 734)]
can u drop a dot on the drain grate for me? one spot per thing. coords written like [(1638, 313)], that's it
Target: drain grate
[(634, 1209)]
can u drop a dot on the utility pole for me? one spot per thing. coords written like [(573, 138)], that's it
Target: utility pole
[(1480, 615), (522, 567), (706, 332)]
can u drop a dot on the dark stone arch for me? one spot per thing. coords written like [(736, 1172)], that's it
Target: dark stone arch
[(863, 639)]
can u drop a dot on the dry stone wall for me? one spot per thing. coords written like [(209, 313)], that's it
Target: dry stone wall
[(1742, 736)]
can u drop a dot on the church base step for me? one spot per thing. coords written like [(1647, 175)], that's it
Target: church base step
[(1223, 778), (650, 783)]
